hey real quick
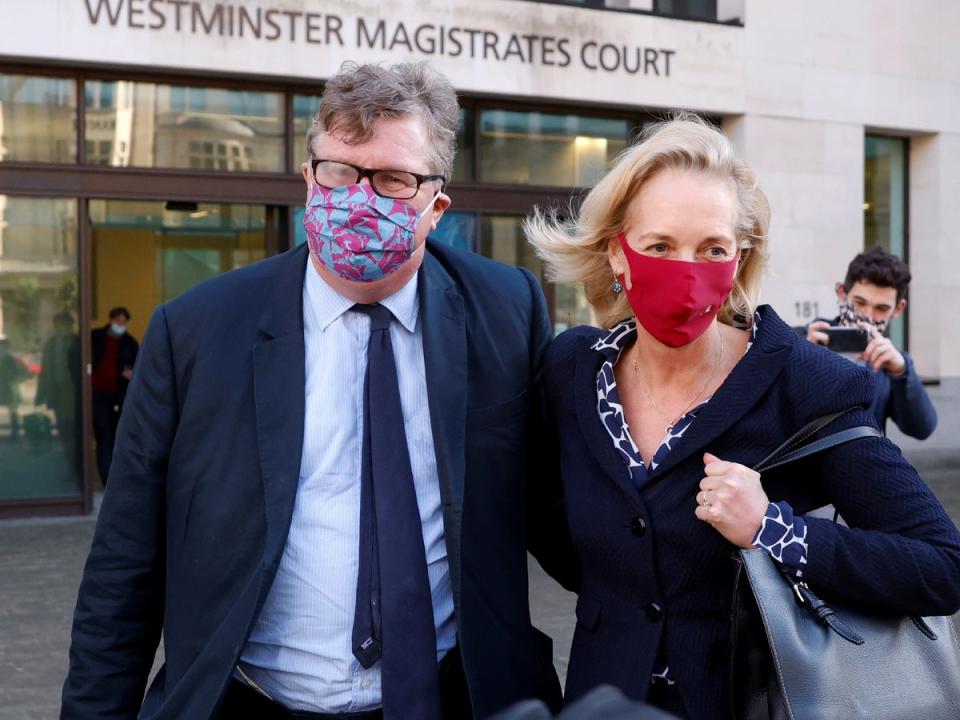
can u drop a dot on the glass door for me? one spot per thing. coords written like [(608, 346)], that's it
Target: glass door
[(142, 254)]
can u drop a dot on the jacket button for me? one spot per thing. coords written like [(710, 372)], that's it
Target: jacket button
[(654, 612), (638, 526)]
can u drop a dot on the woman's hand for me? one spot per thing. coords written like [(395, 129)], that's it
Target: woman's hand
[(732, 500)]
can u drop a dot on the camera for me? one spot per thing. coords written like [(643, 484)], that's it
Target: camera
[(847, 339)]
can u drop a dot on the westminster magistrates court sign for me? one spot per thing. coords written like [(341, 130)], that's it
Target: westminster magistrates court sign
[(504, 47)]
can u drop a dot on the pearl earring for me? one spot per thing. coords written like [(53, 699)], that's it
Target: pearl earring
[(616, 287)]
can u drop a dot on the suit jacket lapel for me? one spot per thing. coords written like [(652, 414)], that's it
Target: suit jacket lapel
[(595, 434), (445, 359), (742, 389), (278, 380)]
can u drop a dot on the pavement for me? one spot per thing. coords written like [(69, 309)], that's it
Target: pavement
[(41, 561)]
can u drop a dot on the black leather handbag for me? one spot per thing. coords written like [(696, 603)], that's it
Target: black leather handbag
[(794, 657)]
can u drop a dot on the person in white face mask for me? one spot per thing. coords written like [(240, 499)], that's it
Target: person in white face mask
[(114, 351), (873, 293)]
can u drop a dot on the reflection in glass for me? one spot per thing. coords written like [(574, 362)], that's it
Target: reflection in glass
[(146, 253), (299, 234), (571, 307), (544, 149), (885, 204), (304, 108), (463, 160), (502, 240), (457, 229), (40, 418), (728, 11), (141, 124), (693, 9), (38, 119)]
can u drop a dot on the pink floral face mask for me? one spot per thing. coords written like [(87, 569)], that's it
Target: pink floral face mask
[(358, 234)]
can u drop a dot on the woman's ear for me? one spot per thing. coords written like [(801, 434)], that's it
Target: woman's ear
[(618, 262)]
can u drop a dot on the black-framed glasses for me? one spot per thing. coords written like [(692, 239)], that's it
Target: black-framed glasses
[(394, 184)]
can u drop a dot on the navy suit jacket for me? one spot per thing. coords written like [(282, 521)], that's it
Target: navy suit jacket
[(643, 547), (194, 521)]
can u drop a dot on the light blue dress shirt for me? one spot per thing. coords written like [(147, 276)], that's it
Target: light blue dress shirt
[(299, 652)]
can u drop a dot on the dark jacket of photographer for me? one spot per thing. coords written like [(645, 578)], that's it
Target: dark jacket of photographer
[(903, 399)]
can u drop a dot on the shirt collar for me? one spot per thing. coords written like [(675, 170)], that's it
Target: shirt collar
[(403, 304), (619, 338), (329, 305)]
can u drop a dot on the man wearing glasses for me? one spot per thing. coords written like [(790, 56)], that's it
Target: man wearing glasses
[(321, 492)]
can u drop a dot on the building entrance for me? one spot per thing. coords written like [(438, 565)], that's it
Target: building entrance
[(143, 254)]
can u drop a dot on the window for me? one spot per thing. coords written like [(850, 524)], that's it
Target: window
[(546, 149), (885, 204), (457, 229), (723, 11), (38, 117), (40, 416), (143, 124), (304, 108), (502, 239), (463, 169)]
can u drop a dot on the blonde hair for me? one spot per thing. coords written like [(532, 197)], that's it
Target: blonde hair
[(577, 250)]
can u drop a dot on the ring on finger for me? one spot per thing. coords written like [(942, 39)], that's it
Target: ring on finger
[(703, 499)]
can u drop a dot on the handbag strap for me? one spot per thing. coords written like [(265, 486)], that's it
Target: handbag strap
[(824, 443), (794, 449)]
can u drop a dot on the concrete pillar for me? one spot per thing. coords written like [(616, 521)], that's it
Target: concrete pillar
[(812, 173)]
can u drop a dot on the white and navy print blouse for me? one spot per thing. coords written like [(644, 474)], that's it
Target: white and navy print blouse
[(781, 534)]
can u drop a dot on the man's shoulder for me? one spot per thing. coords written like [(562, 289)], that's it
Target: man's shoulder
[(486, 286), (239, 290), (473, 267)]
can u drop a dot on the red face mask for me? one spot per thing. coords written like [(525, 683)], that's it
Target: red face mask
[(674, 300)]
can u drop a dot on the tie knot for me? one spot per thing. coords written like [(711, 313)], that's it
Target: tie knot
[(380, 316)]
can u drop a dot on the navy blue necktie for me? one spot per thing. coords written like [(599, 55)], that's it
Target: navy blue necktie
[(394, 614)]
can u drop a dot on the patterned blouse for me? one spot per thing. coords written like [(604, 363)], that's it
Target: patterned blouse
[(781, 534)]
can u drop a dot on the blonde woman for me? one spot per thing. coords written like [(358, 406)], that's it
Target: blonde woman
[(659, 415)]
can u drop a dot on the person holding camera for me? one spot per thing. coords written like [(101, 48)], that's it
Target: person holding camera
[(872, 294)]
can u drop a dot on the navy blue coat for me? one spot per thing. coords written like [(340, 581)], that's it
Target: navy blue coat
[(653, 573), (202, 487)]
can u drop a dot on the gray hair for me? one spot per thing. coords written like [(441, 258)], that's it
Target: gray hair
[(359, 95)]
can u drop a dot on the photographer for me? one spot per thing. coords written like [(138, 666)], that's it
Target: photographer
[(873, 293)]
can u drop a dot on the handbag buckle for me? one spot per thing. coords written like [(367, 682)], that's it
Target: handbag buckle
[(796, 591)]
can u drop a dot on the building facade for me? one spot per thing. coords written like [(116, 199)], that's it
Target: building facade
[(146, 145)]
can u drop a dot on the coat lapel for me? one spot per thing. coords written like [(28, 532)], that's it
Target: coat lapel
[(743, 388), (445, 360), (278, 381), (595, 434)]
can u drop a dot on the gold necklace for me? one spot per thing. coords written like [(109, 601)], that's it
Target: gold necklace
[(653, 403)]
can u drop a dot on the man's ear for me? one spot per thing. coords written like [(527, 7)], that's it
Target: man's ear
[(841, 292), (307, 173), (901, 306), (440, 206)]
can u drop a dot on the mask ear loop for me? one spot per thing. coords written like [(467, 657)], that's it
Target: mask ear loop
[(427, 208)]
